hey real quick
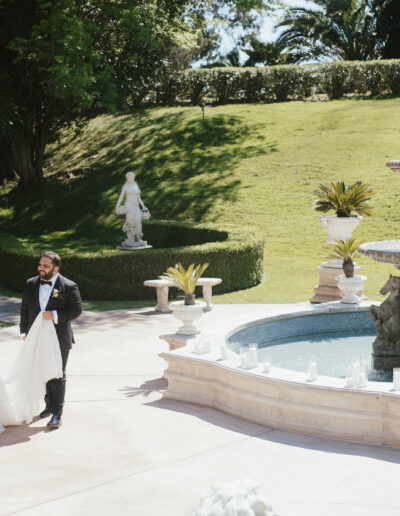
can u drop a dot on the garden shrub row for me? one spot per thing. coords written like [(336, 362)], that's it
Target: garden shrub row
[(237, 258), (283, 82)]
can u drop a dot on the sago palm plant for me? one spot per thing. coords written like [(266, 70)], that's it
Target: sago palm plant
[(346, 250), (346, 201), (185, 280)]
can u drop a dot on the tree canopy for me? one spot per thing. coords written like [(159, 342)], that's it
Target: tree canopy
[(71, 58), (342, 29)]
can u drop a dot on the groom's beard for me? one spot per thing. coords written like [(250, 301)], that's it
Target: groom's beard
[(46, 276)]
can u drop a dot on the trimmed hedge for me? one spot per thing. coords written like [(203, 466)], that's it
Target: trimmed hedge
[(283, 82), (237, 258)]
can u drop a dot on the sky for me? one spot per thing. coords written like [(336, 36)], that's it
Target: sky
[(267, 33)]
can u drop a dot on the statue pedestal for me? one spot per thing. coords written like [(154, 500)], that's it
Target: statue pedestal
[(133, 245), (327, 289), (387, 362)]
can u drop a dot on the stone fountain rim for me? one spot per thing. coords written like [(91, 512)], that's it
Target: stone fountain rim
[(392, 257), (180, 345), (281, 398)]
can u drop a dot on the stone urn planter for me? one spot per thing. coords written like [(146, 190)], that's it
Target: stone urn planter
[(187, 314), (339, 228), (351, 288)]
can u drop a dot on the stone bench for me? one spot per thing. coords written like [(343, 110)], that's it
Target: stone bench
[(162, 287)]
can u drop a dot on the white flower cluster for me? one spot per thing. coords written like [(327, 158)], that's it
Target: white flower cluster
[(238, 498)]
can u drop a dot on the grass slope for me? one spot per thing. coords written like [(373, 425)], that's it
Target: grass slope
[(254, 165)]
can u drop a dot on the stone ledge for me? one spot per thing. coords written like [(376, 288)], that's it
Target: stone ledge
[(283, 399)]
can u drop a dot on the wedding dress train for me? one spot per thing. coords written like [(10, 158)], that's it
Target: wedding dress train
[(23, 388)]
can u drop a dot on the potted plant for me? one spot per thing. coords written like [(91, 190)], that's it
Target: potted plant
[(351, 286), (185, 280), (350, 204)]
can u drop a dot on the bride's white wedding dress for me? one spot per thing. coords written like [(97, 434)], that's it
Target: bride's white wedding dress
[(38, 360)]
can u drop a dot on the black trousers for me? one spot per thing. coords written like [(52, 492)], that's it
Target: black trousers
[(55, 389)]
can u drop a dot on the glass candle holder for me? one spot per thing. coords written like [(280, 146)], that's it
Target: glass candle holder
[(201, 345), (267, 365), (349, 378), (223, 351), (206, 343), (396, 378), (197, 345), (362, 376), (355, 372), (253, 351), (245, 361), (312, 370)]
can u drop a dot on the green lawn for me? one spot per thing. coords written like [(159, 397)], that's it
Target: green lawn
[(252, 164)]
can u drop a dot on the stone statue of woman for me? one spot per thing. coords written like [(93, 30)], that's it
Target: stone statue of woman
[(133, 214)]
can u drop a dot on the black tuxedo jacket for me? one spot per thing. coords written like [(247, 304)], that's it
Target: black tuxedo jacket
[(65, 298)]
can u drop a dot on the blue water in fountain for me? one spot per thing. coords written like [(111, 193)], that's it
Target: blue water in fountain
[(334, 341)]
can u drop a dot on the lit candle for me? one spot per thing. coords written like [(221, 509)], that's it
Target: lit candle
[(396, 378), (312, 371), (253, 351)]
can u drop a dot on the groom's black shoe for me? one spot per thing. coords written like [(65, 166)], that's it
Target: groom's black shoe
[(46, 413), (55, 421)]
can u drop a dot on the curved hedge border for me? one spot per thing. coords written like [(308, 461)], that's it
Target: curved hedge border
[(279, 83), (237, 258)]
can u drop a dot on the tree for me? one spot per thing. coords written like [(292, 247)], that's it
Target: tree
[(387, 14), (344, 29), (140, 40), (237, 20), (269, 54), (67, 59), (48, 77)]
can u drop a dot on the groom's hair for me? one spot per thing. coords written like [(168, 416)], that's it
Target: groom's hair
[(54, 257)]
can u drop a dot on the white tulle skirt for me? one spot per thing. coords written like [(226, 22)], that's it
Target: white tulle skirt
[(38, 360)]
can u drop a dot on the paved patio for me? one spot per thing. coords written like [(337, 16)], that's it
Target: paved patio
[(124, 450)]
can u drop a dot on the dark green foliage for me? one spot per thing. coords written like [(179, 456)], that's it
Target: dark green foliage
[(336, 29), (268, 54), (387, 13), (115, 275), (283, 82)]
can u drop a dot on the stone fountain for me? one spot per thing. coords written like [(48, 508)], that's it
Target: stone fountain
[(386, 347)]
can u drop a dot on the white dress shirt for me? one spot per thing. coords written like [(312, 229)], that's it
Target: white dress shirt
[(44, 296)]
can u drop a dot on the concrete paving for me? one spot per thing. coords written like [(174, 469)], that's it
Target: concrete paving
[(9, 309), (124, 450)]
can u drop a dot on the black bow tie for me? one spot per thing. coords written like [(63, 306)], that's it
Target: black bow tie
[(43, 282)]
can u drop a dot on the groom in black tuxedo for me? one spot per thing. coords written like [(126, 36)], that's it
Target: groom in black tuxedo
[(59, 300)]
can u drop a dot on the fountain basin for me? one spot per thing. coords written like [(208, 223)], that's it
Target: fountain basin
[(282, 398), (386, 251), (394, 164)]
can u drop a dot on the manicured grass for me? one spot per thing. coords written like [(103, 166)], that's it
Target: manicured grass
[(254, 165)]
